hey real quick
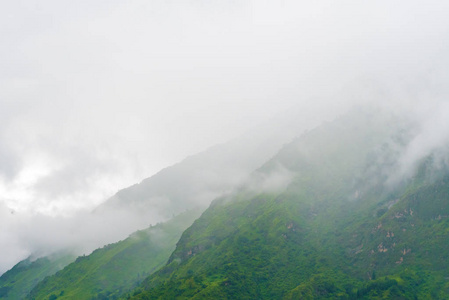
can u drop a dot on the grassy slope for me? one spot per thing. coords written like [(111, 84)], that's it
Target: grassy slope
[(327, 236), (112, 270), (23, 277)]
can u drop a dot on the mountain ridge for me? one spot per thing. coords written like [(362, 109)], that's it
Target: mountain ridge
[(330, 216), (301, 241)]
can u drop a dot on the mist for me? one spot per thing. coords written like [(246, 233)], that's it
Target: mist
[(96, 97)]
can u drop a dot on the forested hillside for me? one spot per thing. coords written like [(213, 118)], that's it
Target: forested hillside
[(23, 277), (332, 215), (339, 229), (112, 270)]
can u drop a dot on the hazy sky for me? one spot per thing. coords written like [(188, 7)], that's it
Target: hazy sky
[(97, 95)]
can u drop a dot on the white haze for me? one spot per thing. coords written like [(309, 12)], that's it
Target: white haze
[(97, 95)]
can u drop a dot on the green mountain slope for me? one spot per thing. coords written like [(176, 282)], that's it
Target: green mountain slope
[(331, 228), (110, 271), (412, 234), (198, 179), (23, 277)]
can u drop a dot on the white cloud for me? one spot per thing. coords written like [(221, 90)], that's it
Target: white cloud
[(95, 96)]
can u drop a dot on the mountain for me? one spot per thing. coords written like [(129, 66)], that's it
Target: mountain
[(336, 224), (110, 271), (332, 215), (24, 276), (190, 184), (198, 179)]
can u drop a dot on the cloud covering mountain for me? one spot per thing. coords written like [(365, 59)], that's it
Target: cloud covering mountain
[(96, 96)]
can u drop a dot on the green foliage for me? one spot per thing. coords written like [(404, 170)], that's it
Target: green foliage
[(52, 297), (114, 269), (337, 231), (23, 277)]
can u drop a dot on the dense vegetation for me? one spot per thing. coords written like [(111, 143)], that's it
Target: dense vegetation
[(329, 217), (112, 270), (336, 231), (23, 277)]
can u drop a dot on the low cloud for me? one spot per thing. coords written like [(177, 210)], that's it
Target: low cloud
[(24, 234), (95, 97), (432, 138), (276, 179)]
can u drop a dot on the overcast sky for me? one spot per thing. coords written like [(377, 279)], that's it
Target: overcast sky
[(97, 95)]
